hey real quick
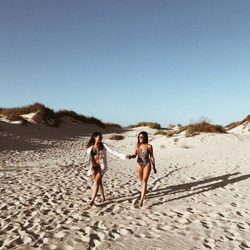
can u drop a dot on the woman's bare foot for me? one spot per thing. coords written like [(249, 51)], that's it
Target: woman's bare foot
[(88, 205), (101, 199), (140, 204)]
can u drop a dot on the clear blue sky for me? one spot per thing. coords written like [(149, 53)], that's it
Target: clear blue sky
[(169, 61)]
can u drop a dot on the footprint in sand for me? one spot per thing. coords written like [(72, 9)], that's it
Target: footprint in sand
[(242, 226), (191, 210), (164, 227), (94, 241), (209, 243), (124, 231), (206, 224), (239, 213), (114, 234), (245, 244), (233, 204)]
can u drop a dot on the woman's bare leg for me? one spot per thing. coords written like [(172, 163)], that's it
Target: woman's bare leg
[(101, 189), (145, 174), (97, 181), (140, 173)]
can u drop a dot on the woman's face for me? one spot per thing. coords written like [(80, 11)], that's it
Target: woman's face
[(98, 139), (141, 138)]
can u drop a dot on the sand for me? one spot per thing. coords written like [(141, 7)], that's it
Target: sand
[(199, 199)]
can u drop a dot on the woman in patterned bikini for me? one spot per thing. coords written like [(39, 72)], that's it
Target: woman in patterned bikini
[(145, 159)]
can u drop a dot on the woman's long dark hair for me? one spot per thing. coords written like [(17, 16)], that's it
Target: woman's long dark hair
[(91, 141), (145, 135)]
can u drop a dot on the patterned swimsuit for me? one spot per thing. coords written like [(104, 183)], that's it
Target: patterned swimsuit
[(143, 157)]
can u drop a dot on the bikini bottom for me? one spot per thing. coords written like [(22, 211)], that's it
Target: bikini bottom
[(96, 169)]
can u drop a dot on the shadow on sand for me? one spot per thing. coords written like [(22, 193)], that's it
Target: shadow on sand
[(192, 188), (19, 137), (184, 190)]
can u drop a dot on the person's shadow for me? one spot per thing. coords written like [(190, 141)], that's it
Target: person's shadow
[(192, 188), (183, 190)]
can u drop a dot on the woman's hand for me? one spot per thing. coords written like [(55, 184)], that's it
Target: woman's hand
[(131, 156)]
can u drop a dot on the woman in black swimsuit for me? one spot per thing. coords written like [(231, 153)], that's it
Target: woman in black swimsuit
[(97, 155), (145, 159), (97, 146)]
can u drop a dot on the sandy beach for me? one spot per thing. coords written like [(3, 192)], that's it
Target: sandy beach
[(177, 70), (199, 199)]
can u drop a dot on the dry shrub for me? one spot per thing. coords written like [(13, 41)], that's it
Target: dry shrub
[(161, 132), (236, 124), (47, 116), (112, 125), (43, 115), (153, 125), (14, 118), (203, 126), (181, 129), (82, 118), (247, 119), (116, 137), (168, 133), (171, 133), (22, 110), (232, 125)]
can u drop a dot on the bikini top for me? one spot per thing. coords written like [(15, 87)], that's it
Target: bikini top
[(93, 153)]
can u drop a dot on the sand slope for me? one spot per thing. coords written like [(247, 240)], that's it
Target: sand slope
[(199, 199)]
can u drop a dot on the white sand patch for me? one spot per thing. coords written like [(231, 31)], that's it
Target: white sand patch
[(242, 129), (4, 119), (29, 117)]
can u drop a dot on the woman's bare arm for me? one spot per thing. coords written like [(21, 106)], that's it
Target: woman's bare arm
[(151, 157), (115, 153), (133, 155)]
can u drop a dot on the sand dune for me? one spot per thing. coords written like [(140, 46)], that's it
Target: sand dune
[(199, 199)]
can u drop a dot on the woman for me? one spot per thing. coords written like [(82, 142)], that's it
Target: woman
[(145, 159), (97, 153)]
